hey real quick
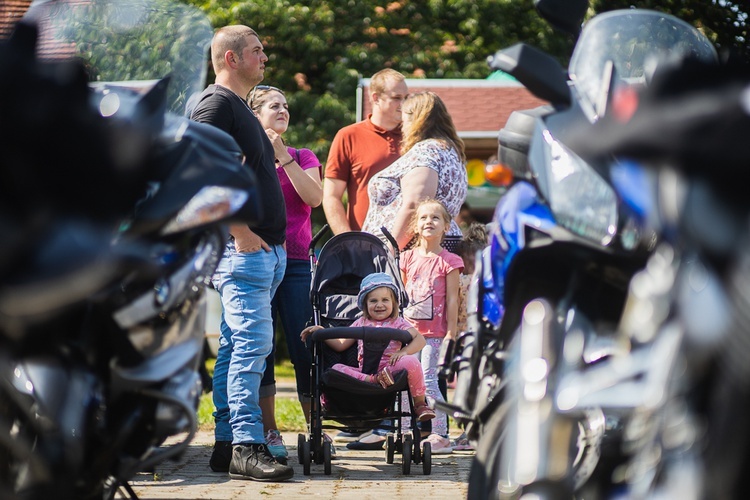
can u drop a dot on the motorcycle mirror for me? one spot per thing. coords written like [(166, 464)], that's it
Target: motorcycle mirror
[(565, 15), (538, 71)]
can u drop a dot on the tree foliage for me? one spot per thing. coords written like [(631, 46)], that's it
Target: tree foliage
[(319, 49), (724, 22)]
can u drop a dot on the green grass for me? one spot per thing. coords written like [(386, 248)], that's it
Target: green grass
[(288, 412)]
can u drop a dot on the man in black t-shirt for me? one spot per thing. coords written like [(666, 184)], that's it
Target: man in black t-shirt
[(252, 267)]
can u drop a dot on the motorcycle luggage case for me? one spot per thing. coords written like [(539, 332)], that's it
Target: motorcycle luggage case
[(514, 139)]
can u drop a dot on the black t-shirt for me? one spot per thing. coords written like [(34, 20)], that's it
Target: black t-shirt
[(222, 108)]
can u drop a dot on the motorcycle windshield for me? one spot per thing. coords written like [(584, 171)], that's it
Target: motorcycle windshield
[(131, 43), (635, 41)]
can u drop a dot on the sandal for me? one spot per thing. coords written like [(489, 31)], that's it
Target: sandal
[(424, 412), (385, 378)]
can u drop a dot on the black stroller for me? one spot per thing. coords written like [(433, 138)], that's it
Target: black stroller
[(355, 405)]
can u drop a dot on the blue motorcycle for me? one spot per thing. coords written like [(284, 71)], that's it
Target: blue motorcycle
[(563, 250)]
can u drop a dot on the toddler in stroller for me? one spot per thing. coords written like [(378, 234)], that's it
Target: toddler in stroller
[(364, 390), (378, 300)]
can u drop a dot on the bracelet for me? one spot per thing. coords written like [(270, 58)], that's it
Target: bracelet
[(287, 163)]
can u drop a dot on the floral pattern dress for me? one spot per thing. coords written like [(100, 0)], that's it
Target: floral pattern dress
[(385, 186)]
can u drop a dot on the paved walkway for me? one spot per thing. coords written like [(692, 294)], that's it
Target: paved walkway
[(357, 475)]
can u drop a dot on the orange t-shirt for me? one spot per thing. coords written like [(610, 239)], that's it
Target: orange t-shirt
[(358, 152)]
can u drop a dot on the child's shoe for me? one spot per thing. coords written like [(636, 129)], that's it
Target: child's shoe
[(275, 444), (462, 443), (439, 445), (424, 412), (385, 377)]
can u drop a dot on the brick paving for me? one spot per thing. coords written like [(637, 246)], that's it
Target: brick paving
[(360, 475), (356, 475)]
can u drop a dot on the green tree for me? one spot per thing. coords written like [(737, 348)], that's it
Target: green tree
[(318, 49), (724, 22)]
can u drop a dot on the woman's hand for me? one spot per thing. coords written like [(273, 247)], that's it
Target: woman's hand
[(279, 148), (309, 331)]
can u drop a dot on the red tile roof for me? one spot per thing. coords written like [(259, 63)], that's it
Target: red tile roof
[(11, 11), (476, 106)]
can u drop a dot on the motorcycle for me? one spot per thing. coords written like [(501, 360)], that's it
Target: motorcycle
[(685, 374), (113, 213), (563, 251)]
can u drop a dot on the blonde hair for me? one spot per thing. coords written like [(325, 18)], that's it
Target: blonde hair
[(394, 301), (429, 120), (232, 38), (413, 222), (379, 79)]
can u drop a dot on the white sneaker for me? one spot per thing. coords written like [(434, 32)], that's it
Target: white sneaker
[(439, 445)]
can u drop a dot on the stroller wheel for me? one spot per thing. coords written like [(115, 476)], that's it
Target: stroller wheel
[(427, 459), (416, 452), (327, 458), (300, 447), (390, 448), (406, 462), (306, 457)]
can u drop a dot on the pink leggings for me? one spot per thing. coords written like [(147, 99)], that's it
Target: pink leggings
[(409, 363)]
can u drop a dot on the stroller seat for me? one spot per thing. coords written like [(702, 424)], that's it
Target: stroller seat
[(337, 388)]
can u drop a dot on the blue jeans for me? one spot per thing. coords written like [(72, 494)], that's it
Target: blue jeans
[(246, 283), (292, 306)]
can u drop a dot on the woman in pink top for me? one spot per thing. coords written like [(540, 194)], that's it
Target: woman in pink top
[(431, 277), (299, 172)]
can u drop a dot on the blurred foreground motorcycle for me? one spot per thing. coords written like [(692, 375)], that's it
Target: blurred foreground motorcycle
[(112, 216), (686, 322), (563, 250)]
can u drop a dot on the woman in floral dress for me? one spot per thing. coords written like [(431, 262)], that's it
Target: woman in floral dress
[(432, 165)]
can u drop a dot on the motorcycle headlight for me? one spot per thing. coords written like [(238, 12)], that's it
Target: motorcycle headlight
[(581, 200), (210, 204)]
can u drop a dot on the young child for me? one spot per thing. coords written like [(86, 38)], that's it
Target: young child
[(475, 240), (431, 276), (378, 300)]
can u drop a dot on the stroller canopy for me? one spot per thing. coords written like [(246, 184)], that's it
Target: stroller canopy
[(342, 264)]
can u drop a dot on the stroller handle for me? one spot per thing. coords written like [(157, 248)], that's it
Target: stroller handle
[(316, 238), (391, 240), (365, 333)]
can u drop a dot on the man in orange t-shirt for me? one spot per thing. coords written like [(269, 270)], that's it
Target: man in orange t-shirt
[(361, 150)]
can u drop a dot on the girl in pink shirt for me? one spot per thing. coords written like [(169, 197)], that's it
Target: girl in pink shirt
[(378, 300), (431, 276)]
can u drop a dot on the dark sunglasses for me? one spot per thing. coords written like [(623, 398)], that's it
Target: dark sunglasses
[(263, 87)]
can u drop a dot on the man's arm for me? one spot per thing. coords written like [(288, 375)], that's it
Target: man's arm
[(333, 207)]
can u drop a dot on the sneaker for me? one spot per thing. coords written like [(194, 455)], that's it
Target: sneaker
[(462, 443), (439, 445), (275, 444), (385, 378), (424, 412), (346, 437), (221, 456), (255, 462), (370, 440)]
